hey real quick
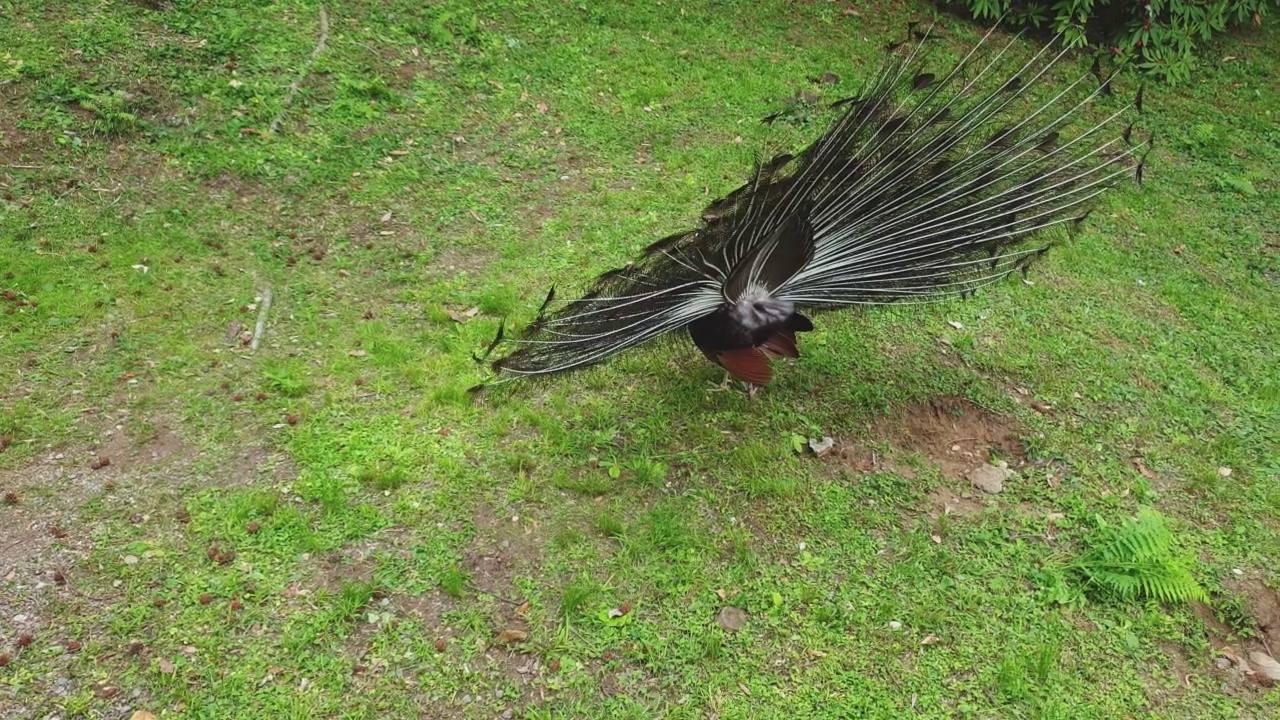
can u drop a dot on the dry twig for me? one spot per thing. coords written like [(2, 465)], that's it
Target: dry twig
[(263, 309), (302, 75)]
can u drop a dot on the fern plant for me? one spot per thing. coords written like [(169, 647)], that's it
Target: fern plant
[(1137, 560)]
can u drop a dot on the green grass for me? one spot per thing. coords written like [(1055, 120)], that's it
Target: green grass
[(387, 527)]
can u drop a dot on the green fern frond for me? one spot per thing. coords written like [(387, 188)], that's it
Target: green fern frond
[(1137, 559)]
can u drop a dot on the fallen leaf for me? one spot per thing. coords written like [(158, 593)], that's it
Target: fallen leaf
[(1041, 408), (1266, 665), (930, 640), (851, 11), (524, 608), (956, 325), (1230, 653), (720, 594), (399, 153), (543, 108), (142, 715), (745, 690), (1229, 58), (357, 353), (732, 618), (829, 78), (1142, 468), (1225, 471), (510, 636), (165, 666), (815, 653), (936, 538), (465, 315), (385, 218)]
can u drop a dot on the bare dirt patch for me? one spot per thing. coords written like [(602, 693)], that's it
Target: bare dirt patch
[(942, 501), (18, 147), (956, 434), (63, 495), (505, 548), (1231, 666), (953, 433), (1264, 605)]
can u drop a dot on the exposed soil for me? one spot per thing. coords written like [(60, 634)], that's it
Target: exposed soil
[(17, 147), (1233, 667), (942, 501), (49, 532), (956, 434), (1229, 667), (950, 432), (504, 549), (1264, 605)]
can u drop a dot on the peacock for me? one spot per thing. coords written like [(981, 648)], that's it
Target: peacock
[(925, 186)]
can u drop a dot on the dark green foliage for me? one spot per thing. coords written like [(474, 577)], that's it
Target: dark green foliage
[(1136, 560), (453, 582), (1159, 36), (576, 595)]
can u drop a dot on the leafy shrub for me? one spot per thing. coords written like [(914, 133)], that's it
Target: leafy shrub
[(1159, 36)]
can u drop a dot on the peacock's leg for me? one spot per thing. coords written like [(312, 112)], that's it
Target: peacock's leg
[(725, 385)]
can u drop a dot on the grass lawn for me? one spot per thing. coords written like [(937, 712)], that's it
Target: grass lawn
[(330, 526)]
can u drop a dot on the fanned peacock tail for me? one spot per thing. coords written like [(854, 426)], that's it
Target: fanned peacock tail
[(927, 186)]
